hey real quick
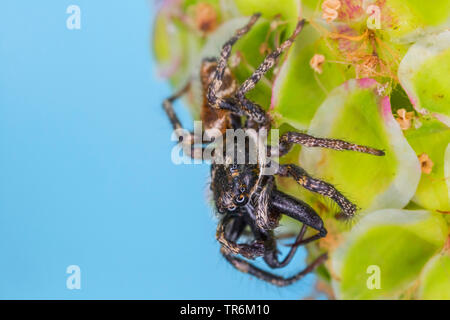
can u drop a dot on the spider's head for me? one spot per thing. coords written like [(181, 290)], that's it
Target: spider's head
[(232, 185)]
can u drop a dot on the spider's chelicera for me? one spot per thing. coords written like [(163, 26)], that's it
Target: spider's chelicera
[(248, 202)]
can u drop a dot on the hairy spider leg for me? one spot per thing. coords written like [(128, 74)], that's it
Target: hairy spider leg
[(239, 104), (228, 238), (267, 64), (188, 140), (250, 108), (260, 201), (233, 104), (290, 138), (318, 186), (216, 101), (263, 245)]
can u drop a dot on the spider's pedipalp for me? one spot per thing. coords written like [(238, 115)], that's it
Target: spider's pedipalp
[(298, 210)]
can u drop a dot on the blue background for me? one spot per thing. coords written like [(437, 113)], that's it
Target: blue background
[(85, 170)]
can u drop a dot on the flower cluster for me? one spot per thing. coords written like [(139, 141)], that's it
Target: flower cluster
[(373, 72)]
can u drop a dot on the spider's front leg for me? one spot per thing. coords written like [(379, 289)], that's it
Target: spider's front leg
[(290, 138), (213, 94), (229, 238), (229, 230), (318, 186), (246, 267), (239, 104), (249, 107)]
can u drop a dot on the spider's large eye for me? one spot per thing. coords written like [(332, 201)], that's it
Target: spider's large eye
[(232, 208), (240, 199)]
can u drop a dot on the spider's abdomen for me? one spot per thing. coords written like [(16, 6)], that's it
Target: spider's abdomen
[(216, 118)]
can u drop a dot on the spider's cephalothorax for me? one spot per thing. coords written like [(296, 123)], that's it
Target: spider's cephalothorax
[(248, 202)]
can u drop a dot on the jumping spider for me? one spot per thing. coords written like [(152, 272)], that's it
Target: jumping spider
[(246, 199)]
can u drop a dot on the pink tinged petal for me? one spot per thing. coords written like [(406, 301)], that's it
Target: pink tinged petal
[(442, 118), (401, 185), (169, 70), (420, 53), (351, 10), (386, 107), (365, 83)]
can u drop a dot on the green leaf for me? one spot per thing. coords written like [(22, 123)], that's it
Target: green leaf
[(174, 47), (252, 57), (397, 243), (432, 138), (356, 113), (289, 10), (435, 278), (310, 7), (298, 90), (408, 20), (424, 74), (447, 170)]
